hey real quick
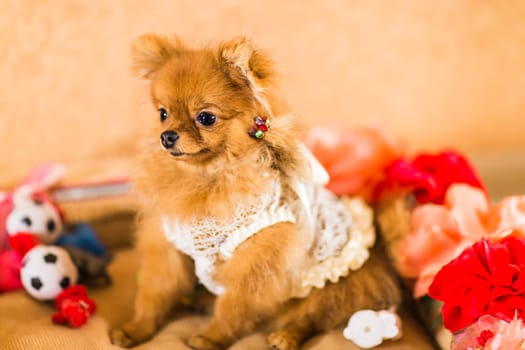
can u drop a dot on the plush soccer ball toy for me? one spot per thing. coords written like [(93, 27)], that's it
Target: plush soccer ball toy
[(47, 271), (30, 209), (31, 214)]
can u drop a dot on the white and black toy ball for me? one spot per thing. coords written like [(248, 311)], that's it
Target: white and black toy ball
[(47, 271), (37, 217)]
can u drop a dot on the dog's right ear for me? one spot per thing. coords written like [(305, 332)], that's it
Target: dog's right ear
[(150, 51)]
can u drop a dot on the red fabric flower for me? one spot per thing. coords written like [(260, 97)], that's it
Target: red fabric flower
[(428, 176), (74, 307), (486, 279), (23, 242)]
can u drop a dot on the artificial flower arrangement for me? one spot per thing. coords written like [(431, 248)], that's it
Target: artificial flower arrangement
[(464, 251), (444, 235)]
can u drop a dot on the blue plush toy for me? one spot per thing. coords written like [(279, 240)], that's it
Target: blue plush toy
[(83, 237), (88, 254)]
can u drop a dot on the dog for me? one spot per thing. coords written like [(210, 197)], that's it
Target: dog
[(230, 198)]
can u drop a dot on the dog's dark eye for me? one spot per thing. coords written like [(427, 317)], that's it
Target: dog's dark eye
[(163, 114), (206, 118)]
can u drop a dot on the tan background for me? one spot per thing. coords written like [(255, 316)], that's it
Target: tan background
[(436, 72)]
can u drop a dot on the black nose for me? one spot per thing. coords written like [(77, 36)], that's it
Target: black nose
[(168, 138)]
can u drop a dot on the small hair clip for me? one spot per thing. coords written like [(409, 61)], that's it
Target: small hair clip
[(260, 126)]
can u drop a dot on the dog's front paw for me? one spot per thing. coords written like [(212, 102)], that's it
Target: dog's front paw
[(198, 342), (120, 338), (131, 334), (282, 340)]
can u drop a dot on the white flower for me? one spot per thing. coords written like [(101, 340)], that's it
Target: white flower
[(368, 328)]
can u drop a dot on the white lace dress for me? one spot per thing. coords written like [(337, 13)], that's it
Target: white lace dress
[(337, 233)]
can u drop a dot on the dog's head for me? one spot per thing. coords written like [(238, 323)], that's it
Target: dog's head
[(206, 100)]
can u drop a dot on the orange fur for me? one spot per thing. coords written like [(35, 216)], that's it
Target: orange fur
[(216, 167)]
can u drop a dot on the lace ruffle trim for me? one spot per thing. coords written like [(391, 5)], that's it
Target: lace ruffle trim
[(353, 255)]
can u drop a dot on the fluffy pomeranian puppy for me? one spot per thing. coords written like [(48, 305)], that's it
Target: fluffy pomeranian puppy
[(231, 199)]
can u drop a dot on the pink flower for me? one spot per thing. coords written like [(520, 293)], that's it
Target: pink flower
[(491, 333), (10, 265), (355, 158)]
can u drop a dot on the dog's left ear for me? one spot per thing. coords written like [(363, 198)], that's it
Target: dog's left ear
[(246, 63)]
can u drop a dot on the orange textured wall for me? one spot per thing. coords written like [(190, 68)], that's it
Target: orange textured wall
[(436, 72)]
